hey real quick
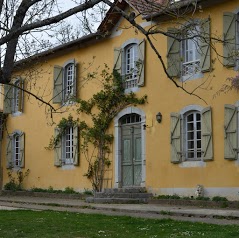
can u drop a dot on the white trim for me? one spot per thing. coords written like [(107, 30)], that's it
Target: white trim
[(129, 110), (190, 108)]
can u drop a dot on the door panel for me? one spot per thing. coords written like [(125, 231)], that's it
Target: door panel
[(131, 155)]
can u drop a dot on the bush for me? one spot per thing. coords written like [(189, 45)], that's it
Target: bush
[(219, 199), (12, 186)]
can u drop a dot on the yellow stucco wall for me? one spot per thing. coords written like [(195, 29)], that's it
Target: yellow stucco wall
[(161, 175)]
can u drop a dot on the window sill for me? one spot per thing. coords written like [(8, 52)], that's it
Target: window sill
[(191, 77), (133, 90), (16, 114), (192, 164), (68, 167)]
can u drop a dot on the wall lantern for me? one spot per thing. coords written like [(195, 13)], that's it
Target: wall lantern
[(159, 117)]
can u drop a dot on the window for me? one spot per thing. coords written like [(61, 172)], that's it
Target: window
[(15, 150), (68, 81), (68, 146), (193, 145), (129, 62), (188, 58), (64, 82), (13, 97), (66, 150), (191, 135), (190, 53), (131, 70)]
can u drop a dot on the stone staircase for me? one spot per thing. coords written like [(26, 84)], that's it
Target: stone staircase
[(121, 195)]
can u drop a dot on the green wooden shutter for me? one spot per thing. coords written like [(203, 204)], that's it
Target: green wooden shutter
[(58, 84), (205, 48), (175, 138), (141, 63), (9, 163), (22, 150), (207, 145), (229, 37), (173, 54), (230, 132), (8, 96), (75, 146), (21, 96), (118, 60), (58, 150)]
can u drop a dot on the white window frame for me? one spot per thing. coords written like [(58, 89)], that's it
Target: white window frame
[(195, 149), (131, 71), (190, 53), (68, 81), (17, 95), (68, 146), (16, 150)]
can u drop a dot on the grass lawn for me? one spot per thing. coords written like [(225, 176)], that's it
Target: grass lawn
[(21, 223)]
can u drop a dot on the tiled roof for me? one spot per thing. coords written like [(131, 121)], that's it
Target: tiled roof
[(148, 7), (151, 8)]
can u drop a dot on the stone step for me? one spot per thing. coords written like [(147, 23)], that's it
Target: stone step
[(126, 190), (117, 200), (122, 195)]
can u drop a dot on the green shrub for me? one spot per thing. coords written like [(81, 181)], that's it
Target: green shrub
[(219, 199), (87, 192), (203, 198), (12, 186)]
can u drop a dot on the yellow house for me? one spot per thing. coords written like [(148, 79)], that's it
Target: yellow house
[(186, 135)]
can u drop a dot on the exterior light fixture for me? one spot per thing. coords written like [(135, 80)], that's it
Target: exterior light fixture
[(159, 117)]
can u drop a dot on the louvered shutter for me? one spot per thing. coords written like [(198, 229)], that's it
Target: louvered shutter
[(204, 43), (141, 63), (58, 84), (58, 150), (207, 145), (229, 37), (230, 132), (173, 54), (75, 146), (9, 163), (118, 60), (175, 138), (8, 97), (21, 96), (22, 149)]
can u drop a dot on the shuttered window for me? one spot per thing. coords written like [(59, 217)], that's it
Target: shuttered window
[(191, 136), (15, 154), (66, 150), (13, 97), (193, 55), (129, 62), (64, 78)]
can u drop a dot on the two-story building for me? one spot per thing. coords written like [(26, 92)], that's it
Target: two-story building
[(187, 133)]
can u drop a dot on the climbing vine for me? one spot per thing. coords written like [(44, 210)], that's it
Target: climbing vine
[(95, 134)]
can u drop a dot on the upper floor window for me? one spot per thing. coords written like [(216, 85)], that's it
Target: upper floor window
[(131, 70), (129, 61), (190, 53), (64, 82), (191, 135), (15, 150), (66, 150), (13, 97), (69, 81), (191, 56)]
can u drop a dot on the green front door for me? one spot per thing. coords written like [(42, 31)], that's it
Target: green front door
[(131, 155)]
